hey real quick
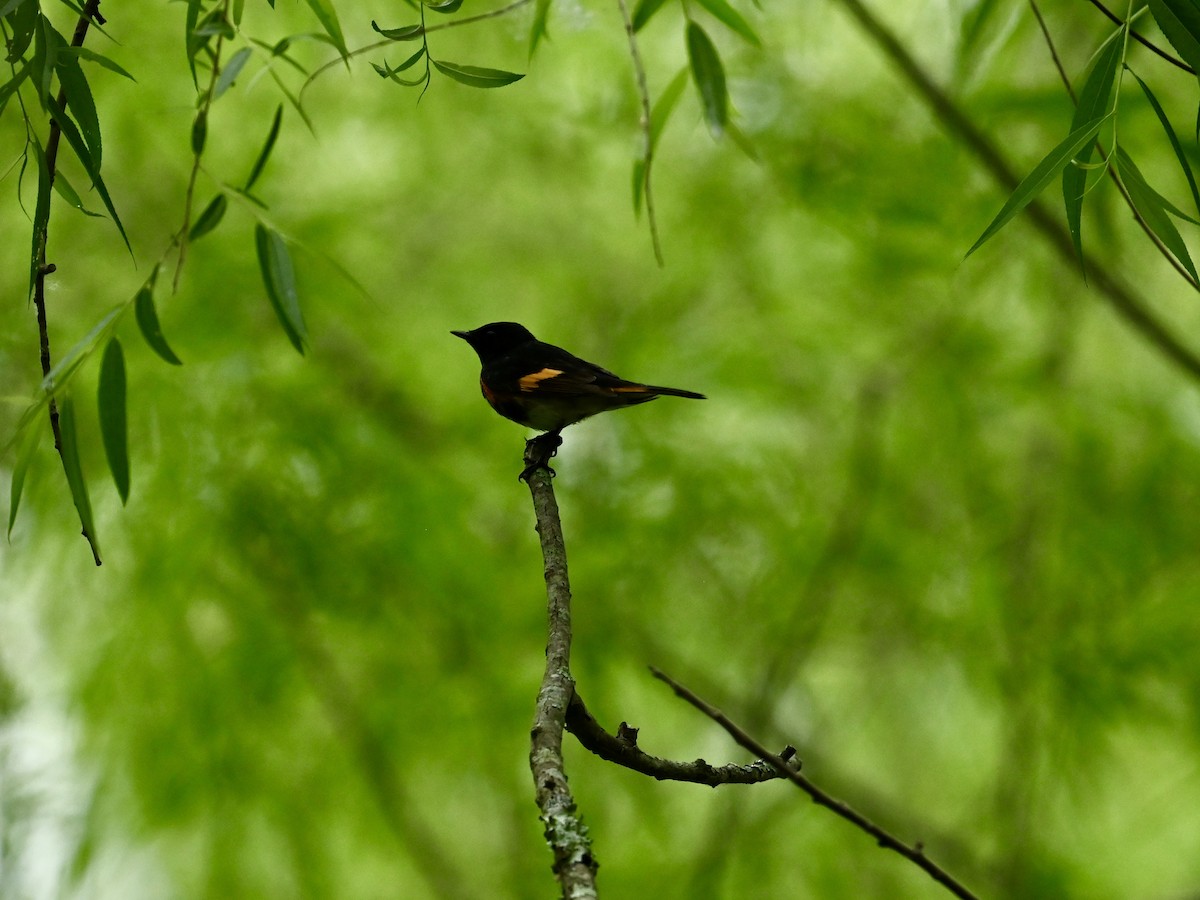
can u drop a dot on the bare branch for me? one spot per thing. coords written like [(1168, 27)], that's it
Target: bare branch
[(915, 853), (623, 750)]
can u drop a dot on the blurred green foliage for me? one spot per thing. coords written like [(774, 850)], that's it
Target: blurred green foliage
[(936, 525)]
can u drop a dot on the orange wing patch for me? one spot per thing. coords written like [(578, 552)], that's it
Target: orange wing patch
[(530, 382), (487, 394)]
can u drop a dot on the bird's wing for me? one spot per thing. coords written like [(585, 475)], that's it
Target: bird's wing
[(565, 373)]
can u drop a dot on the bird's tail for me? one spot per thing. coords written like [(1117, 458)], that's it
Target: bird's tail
[(655, 390)]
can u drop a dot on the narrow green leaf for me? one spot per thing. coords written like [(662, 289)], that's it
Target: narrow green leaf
[(660, 113), (73, 469), (1093, 104), (81, 103), (91, 56), (231, 71), (215, 25), (48, 44), (327, 16), (1043, 173), (147, 319), (192, 41), (199, 131), (280, 281), (1172, 137), (238, 9), (292, 98), (665, 105), (643, 12), (731, 18), (265, 153), (9, 88), (1180, 22), (1130, 171), (9, 6), (1150, 206), (476, 76), (407, 33), (388, 71), (41, 213), (68, 193), (30, 438), (210, 218), (22, 16), (537, 28), (64, 370), (443, 6), (742, 141), (709, 75), (71, 133), (110, 403)]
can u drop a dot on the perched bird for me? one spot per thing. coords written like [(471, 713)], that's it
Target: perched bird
[(544, 387)]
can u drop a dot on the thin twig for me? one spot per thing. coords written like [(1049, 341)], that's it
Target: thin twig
[(1119, 295), (915, 853), (574, 864), (622, 749), (91, 10), (1113, 17), (644, 125), (1062, 72)]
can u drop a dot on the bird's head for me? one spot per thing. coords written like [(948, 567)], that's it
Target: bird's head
[(495, 339)]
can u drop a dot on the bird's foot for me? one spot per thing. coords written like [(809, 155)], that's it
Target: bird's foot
[(538, 453)]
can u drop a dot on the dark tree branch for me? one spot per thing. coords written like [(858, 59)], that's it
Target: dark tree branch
[(623, 750), (91, 11), (1120, 296), (574, 865), (915, 853)]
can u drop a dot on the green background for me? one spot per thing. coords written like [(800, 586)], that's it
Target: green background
[(936, 524)]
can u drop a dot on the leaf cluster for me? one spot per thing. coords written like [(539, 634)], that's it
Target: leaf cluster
[(1096, 122)]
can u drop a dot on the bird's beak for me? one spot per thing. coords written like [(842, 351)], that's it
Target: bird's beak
[(461, 334)]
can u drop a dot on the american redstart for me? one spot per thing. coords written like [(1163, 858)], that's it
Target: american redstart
[(544, 387)]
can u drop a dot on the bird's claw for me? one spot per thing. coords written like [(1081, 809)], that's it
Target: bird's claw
[(542, 449)]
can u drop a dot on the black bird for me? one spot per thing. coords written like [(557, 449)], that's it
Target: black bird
[(546, 388)]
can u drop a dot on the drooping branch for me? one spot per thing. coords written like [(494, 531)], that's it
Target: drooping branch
[(623, 750), (1111, 170), (1128, 305), (645, 127), (915, 853), (574, 864), (90, 13)]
